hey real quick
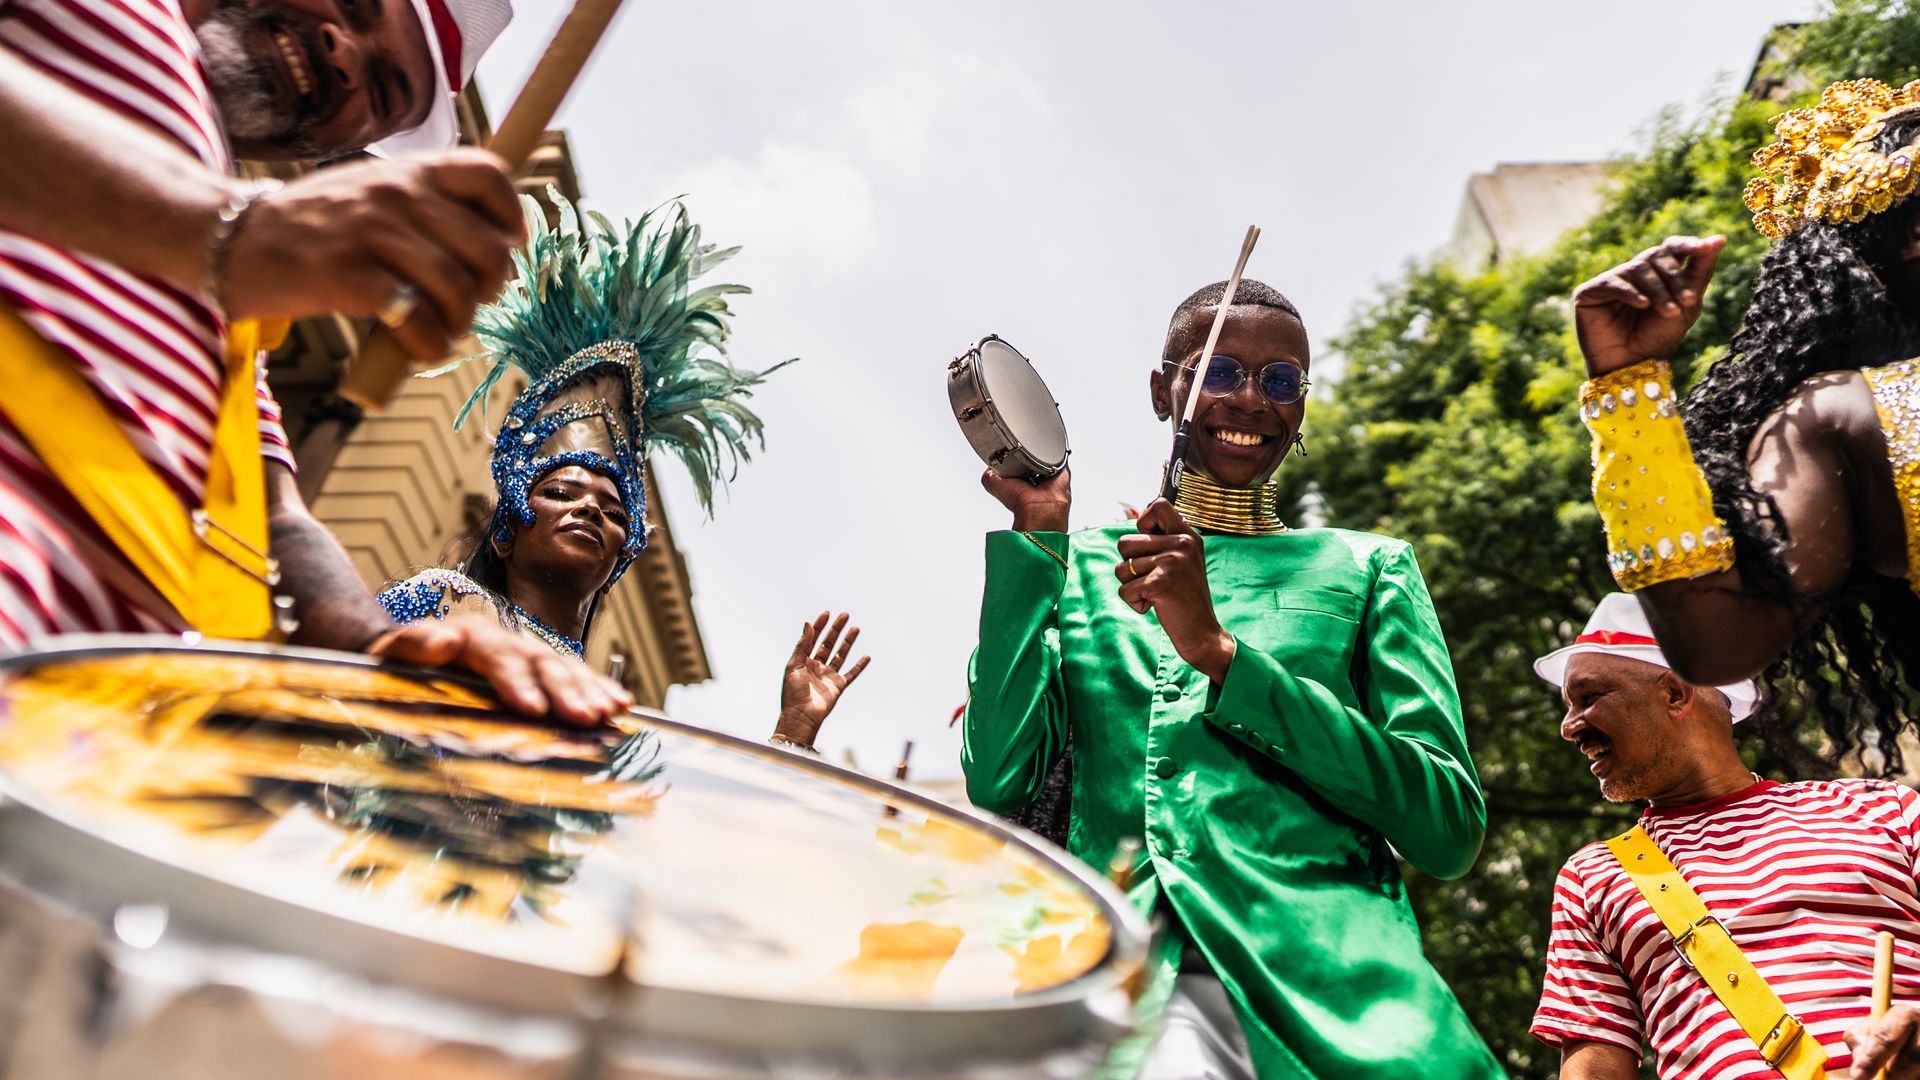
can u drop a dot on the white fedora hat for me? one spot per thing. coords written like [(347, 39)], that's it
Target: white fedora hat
[(1619, 628), (458, 32)]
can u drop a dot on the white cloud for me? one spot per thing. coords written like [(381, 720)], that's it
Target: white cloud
[(894, 122), (794, 203), (810, 195)]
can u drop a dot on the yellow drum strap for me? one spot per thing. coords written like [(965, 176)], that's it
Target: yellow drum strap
[(210, 563), (1705, 946)]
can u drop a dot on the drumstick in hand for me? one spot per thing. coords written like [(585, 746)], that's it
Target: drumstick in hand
[(1183, 433), (1882, 982), (376, 373)]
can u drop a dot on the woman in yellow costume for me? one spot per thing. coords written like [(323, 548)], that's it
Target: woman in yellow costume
[(1771, 523)]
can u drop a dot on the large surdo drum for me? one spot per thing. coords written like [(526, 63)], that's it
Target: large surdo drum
[(235, 862)]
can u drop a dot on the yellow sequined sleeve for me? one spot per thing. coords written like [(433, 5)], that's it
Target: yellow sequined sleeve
[(1650, 493)]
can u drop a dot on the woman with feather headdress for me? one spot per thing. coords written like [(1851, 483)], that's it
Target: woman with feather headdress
[(622, 356)]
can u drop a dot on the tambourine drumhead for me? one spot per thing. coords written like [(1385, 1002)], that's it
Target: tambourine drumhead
[(397, 826), (1023, 401), (1005, 411)]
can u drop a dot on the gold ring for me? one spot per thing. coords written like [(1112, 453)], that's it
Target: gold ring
[(399, 307), (1131, 570)]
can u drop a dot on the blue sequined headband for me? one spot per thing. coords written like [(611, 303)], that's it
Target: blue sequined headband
[(518, 462)]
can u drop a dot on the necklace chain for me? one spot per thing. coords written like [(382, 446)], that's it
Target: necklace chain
[(559, 641)]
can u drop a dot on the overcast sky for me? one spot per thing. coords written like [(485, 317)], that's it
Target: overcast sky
[(907, 177)]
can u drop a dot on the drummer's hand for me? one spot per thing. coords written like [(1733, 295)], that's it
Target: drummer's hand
[(1641, 309), (1163, 569), (1037, 505), (529, 676), (1893, 1044), (814, 680)]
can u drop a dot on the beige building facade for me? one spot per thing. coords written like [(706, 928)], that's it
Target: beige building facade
[(1522, 209)]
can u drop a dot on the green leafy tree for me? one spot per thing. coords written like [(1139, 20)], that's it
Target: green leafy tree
[(1454, 427)]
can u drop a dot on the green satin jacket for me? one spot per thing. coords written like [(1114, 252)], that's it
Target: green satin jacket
[(1270, 806)]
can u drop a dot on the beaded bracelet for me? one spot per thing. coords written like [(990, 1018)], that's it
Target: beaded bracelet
[(1650, 492), (778, 739), (1036, 543)]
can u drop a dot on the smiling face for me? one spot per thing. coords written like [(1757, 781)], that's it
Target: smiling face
[(1646, 734), (578, 534), (1238, 440), (316, 78)]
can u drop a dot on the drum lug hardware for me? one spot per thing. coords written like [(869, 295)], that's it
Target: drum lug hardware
[(285, 622), (969, 413), (953, 366), (998, 456)]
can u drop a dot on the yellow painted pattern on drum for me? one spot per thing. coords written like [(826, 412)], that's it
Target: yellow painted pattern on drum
[(396, 870), (943, 838), (1896, 397), (171, 756), (1039, 962), (901, 960), (1059, 933)]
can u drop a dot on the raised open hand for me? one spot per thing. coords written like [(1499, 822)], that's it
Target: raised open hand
[(814, 678), (1641, 309)]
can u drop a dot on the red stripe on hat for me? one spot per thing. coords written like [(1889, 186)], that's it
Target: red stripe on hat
[(1613, 637), (448, 32)]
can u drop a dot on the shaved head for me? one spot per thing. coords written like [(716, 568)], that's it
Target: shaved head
[(1187, 330)]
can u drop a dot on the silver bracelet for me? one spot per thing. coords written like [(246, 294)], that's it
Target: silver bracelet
[(227, 226)]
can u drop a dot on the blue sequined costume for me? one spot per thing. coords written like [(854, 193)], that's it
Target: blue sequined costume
[(434, 593)]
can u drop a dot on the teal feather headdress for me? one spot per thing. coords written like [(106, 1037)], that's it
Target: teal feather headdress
[(622, 355)]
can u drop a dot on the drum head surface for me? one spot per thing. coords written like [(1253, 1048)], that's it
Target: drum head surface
[(684, 858), (1023, 402)]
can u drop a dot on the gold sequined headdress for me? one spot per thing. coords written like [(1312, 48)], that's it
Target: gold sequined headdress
[(1825, 167)]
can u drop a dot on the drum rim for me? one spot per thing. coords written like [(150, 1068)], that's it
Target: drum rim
[(1127, 946), (990, 409)]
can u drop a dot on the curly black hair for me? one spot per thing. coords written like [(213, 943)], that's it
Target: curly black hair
[(1819, 304)]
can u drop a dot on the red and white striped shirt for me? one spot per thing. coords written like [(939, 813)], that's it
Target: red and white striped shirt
[(152, 352), (1802, 875)]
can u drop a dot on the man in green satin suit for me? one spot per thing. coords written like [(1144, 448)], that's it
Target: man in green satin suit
[(1271, 711)]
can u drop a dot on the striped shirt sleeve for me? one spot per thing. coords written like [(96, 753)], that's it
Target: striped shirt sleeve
[(274, 445), (1585, 997)]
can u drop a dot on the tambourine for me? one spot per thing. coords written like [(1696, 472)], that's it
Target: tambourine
[(1006, 411)]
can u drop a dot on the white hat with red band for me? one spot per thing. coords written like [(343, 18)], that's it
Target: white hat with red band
[(458, 32), (1619, 628)]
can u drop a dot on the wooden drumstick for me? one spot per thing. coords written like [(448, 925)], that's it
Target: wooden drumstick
[(1882, 982), (1183, 434), (377, 372)]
